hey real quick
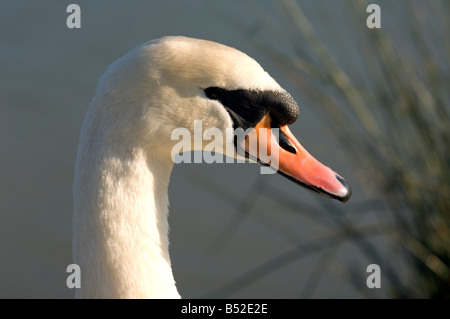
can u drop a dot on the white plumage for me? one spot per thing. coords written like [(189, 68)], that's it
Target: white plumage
[(123, 166), (124, 158)]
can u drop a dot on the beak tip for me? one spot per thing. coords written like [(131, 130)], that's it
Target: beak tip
[(347, 192)]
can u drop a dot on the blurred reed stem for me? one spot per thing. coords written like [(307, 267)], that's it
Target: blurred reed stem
[(394, 124), (403, 115)]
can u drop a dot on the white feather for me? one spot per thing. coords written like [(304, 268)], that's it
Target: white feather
[(124, 163)]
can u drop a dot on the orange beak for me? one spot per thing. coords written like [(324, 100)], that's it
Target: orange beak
[(295, 162)]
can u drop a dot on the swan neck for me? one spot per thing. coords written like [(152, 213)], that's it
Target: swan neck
[(121, 224)]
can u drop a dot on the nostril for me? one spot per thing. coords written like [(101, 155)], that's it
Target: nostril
[(347, 193), (283, 140)]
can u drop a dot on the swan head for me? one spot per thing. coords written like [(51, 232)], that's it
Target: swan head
[(172, 82)]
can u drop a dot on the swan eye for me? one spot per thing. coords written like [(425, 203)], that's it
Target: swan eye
[(214, 93)]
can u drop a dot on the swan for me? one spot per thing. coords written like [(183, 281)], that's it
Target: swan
[(124, 162)]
